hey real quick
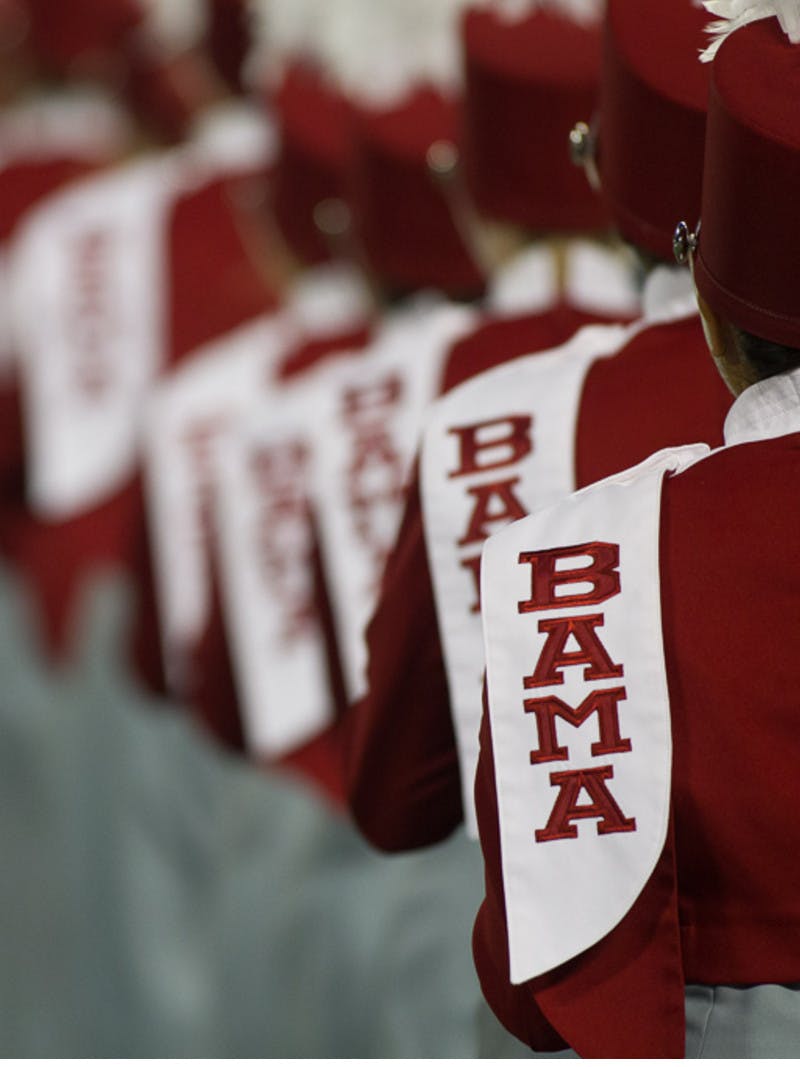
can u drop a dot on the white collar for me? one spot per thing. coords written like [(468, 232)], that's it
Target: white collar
[(668, 293), (600, 278), (597, 279), (329, 298), (769, 408), (525, 284)]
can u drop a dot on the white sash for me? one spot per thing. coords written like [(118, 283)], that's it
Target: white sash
[(38, 130), (529, 408), (185, 420), (366, 437), (278, 650), (188, 419), (6, 342), (265, 543), (87, 276), (583, 806)]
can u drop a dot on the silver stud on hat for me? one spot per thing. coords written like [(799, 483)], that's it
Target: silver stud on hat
[(581, 144), (684, 243), (442, 159), (332, 217)]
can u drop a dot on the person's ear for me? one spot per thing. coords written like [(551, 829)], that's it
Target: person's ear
[(717, 337), (731, 362)]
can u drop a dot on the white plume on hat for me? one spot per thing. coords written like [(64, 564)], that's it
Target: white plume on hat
[(285, 30), (377, 52), (731, 15), (374, 51), (584, 12)]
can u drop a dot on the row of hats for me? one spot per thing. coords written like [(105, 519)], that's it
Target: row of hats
[(748, 250), (528, 74), (151, 51), (530, 69)]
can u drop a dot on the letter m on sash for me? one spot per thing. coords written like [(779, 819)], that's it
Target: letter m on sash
[(602, 703)]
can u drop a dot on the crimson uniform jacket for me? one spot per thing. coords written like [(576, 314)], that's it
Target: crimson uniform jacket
[(721, 906), (402, 771)]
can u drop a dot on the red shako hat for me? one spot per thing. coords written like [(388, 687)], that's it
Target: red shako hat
[(64, 32), (112, 39), (401, 213), (653, 97), (527, 81), (747, 262), (312, 118)]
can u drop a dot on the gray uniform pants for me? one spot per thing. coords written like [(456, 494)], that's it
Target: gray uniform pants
[(722, 1022)]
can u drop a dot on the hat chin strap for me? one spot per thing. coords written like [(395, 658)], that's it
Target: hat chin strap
[(731, 15)]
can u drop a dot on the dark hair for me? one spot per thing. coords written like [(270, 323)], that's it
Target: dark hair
[(768, 358)]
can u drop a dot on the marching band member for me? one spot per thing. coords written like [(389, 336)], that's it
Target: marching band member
[(530, 431), (327, 312), (130, 288), (670, 814)]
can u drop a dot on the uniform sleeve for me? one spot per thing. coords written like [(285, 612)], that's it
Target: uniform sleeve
[(57, 559), (212, 688), (401, 767), (514, 1005)]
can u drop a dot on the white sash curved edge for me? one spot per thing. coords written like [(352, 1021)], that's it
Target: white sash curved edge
[(564, 894)]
